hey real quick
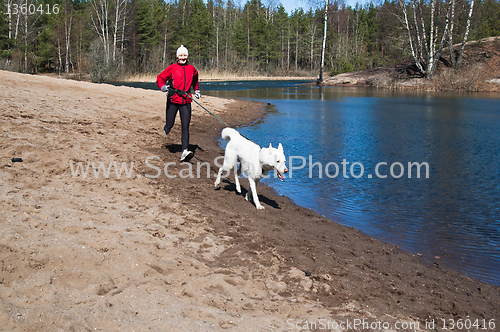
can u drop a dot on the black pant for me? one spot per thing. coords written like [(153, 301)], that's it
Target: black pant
[(185, 112)]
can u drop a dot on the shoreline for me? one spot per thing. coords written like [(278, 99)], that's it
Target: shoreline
[(178, 254)]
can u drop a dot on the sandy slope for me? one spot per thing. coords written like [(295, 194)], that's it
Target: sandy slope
[(170, 254), (117, 254)]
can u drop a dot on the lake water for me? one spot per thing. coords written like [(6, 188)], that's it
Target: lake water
[(451, 216)]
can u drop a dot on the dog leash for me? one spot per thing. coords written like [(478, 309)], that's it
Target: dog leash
[(215, 116), (183, 93), (193, 99)]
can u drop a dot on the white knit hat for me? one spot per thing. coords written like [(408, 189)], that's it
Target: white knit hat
[(181, 50)]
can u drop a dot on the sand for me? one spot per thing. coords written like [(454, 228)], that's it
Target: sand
[(142, 252)]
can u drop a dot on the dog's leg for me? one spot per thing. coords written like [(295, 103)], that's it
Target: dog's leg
[(253, 189), (225, 167), (236, 178), (217, 181), (229, 162), (249, 192)]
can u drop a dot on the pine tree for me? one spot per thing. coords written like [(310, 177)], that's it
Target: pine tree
[(5, 42), (199, 32), (487, 19)]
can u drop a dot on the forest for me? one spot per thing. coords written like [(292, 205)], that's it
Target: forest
[(108, 40)]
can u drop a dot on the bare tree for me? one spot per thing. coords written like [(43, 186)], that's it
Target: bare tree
[(288, 47), (217, 15), (312, 31), (456, 61), (164, 62), (297, 42), (425, 39), (425, 44), (122, 46), (120, 7), (67, 39), (26, 41), (17, 21), (9, 15), (101, 24), (270, 9), (320, 80)]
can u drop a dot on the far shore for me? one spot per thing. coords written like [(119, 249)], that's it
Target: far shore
[(479, 73)]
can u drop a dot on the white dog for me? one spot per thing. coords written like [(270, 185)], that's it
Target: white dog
[(255, 162)]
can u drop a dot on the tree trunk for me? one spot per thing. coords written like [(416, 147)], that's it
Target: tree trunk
[(67, 32), (297, 48), (9, 13), (26, 42), (17, 25), (100, 23), (217, 47), (165, 47), (122, 48), (430, 53), (426, 56), (248, 35), (313, 32), (451, 18), (288, 49), (320, 80), (410, 37), (59, 65), (464, 41), (115, 27)]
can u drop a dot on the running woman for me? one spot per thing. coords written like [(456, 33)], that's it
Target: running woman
[(177, 79)]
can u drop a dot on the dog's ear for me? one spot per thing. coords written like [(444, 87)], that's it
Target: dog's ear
[(280, 147), (270, 146)]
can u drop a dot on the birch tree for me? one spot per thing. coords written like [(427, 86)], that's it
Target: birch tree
[(25, 41), (312, 31), (456, 60), (122, 44), (320, 80), (18, 17), (425, 39), (100, 22), (67, 39), (120, 11), (9, 15), (217, 16)]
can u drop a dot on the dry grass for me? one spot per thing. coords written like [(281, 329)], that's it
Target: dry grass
[(139, 78), (214, 75), (463, 81), (480, 66)]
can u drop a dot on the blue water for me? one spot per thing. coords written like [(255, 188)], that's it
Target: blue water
[(451, 216)]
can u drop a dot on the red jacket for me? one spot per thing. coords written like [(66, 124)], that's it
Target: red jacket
[(183, 78)]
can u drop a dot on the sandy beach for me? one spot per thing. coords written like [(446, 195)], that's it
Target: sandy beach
[(149, 250)]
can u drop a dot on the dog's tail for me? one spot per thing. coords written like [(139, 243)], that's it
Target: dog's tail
[(228, 133)]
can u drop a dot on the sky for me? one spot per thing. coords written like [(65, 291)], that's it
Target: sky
[(291, 5)]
